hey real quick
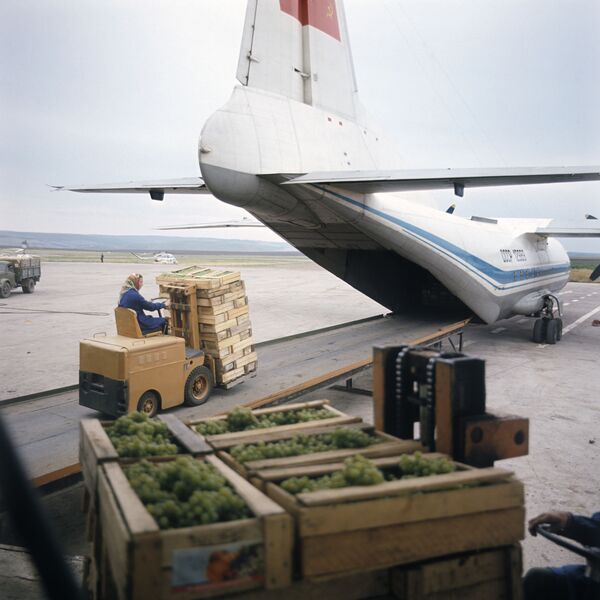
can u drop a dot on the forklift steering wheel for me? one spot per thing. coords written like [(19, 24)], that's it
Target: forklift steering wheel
[(158, 300), (590, 554)]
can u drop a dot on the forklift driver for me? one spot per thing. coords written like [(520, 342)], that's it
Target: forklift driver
[(129, 297)]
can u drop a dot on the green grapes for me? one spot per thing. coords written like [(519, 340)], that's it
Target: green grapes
[(359, 470), (185, 492), (342, 437), (243, 419), (135, 436), (416, 465)]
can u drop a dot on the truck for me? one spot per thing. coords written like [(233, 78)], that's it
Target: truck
[(16, 270)]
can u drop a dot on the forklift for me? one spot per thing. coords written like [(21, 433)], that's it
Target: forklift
[(132, 371)]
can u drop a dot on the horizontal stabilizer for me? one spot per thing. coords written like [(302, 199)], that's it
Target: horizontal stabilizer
[(370, 182), (223, 224), (156, 189)]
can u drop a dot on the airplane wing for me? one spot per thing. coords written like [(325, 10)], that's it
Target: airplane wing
[(223, 224), (570, 230), (370, 182), (156, 189)]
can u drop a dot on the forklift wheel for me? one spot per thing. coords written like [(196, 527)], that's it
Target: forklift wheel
[(198, 386), (149, 404)]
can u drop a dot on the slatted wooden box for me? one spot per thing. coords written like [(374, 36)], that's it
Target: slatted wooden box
[(387, 446), (249, 436), (95, 447), (362, 528), (490, 575), (146, 562)]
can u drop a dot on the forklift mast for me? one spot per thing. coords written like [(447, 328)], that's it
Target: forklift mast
[(444, 393)]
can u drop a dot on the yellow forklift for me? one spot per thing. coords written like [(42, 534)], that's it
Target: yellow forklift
[(132, 371)]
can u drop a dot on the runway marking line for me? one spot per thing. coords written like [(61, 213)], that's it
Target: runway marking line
[(581, 320)]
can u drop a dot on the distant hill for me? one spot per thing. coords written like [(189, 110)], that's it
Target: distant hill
[(142, 243)]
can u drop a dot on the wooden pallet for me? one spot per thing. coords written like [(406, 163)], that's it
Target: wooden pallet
[(140, 561), (251, 435), (399, 522), (387, 446)]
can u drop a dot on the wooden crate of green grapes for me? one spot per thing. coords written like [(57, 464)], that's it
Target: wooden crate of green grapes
[(311, 445), (188, 528), (133, 436), (369, 514), (243, 425)]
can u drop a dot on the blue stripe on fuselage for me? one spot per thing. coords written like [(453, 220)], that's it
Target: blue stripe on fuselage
[(474, 263)]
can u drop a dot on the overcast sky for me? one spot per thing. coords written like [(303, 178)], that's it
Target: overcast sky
[(95, 91)]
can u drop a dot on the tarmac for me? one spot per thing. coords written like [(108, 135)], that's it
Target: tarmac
[(73, 301), (556, 387)]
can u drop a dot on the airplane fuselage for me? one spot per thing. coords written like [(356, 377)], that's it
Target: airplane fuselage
[(495, 268)]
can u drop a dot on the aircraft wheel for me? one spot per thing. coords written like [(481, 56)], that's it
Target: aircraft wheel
[(539, 331), (149, 404), (198, 386), (552, 331), (5, 290), (560, 328), (28, 286)]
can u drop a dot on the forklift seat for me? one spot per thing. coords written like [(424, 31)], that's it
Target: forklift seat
[(128, 326)]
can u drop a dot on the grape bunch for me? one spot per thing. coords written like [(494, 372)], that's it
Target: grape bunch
[(342, 437), (185, 492), (243, 419), (359, 470), (416, 465), (135, 436)]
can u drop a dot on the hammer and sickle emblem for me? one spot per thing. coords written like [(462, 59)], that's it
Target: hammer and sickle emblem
[(330, 10)]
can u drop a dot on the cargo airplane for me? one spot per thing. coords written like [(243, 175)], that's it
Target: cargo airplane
[(293, 147)]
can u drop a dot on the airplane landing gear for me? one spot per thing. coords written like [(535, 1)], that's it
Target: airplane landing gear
[(547, 329)]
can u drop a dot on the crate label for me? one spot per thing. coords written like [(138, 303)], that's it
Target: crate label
[(222, 566)]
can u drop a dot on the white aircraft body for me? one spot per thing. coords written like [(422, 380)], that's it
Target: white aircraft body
[(165, 258), (294, 148)]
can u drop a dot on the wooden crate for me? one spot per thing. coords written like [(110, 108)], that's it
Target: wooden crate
[(147, 563), (399, 522), (388, 446), (95, 447), (490, 575), (252, 435), (210, 310), (487, 575), (203, 278)]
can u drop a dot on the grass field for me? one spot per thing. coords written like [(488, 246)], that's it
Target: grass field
[(247, 260), (580, 269), (582, 276)]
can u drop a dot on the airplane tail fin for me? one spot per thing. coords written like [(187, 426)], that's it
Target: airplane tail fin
[(300, 49)]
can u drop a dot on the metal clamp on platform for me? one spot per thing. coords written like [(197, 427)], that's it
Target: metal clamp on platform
[(444, 392)]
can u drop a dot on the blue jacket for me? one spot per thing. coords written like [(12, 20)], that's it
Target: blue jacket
[(133, 299), (586, 531)]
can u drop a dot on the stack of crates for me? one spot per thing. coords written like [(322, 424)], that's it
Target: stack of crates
[(209, 308)]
